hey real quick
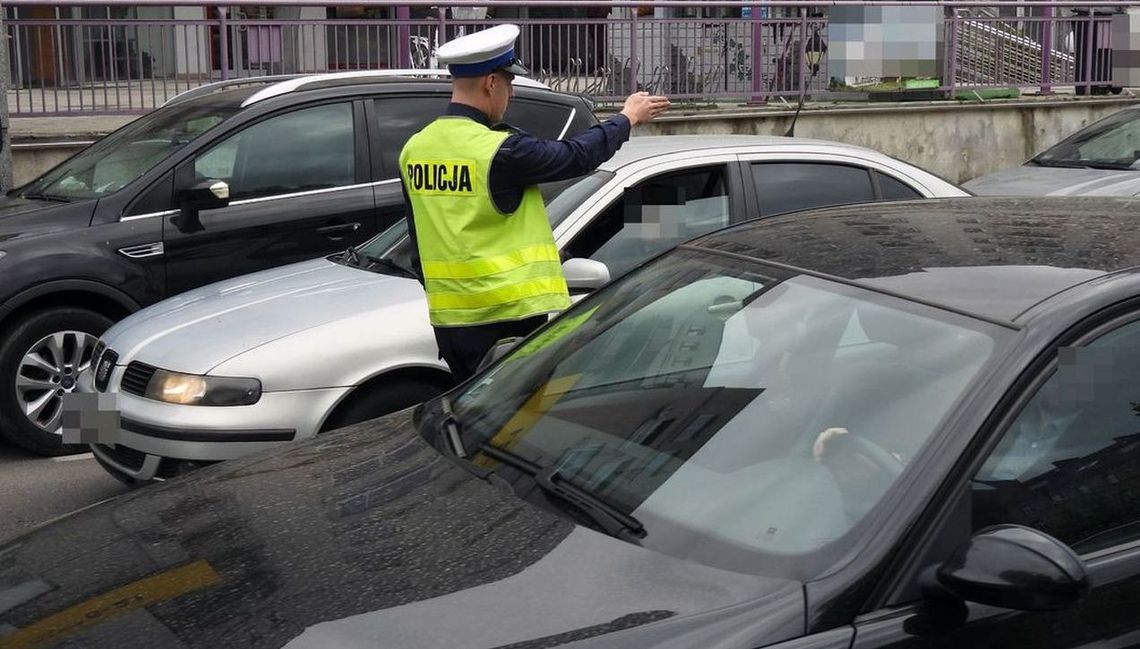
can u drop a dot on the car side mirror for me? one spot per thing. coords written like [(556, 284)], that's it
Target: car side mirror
[(1014, 567), (584, 275), (501, 349), (206, 195)]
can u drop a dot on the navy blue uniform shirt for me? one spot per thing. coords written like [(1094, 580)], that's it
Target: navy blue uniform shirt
[(524, 160)]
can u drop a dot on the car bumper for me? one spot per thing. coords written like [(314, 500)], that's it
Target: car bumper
[(152, 436)]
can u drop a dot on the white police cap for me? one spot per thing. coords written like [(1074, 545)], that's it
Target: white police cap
[(483, 52)]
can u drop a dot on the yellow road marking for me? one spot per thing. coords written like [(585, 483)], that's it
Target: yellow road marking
[(97, 610)]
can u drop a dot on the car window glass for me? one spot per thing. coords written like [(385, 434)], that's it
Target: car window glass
[(125, 155), (655, 215), (399, 118), (711, 397), (1069, 464), (539, 118), (308, 149), (788, 186), (892, 189)]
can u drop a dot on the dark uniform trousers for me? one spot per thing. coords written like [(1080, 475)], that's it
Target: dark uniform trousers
[(463, 348)]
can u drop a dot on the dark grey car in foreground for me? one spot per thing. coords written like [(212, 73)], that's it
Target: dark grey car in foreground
[(890, 425)]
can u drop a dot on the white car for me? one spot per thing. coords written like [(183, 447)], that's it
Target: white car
[(287, 353)]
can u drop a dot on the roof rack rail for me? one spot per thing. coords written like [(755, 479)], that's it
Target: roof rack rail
[(293, 83), (216, 86)]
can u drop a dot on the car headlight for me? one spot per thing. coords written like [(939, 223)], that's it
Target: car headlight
[(194, 390)]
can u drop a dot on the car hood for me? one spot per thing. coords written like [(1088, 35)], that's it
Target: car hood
[(198, 330), (1028, 180), (366, 537), (20, 217)]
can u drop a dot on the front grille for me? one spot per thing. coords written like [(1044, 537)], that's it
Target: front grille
[(136, 378), (127, 457)]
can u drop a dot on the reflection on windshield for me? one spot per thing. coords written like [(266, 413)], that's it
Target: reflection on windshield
[(111, 163), (1112, 143), (711, 400)]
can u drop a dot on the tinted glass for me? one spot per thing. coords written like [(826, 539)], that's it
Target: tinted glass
[(789, 186), (539, 118), (401, 117), (111, 163), (1069, 465), (712, 398), (308, 149), (892, 189), (655, 215), (1113, 142)]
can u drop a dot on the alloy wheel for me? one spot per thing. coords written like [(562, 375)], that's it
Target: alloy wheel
[(48, 371)]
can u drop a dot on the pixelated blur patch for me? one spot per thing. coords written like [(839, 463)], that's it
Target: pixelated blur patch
[(90, 418)]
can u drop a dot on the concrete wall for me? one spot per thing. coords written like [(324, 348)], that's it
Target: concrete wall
[(956, 141)]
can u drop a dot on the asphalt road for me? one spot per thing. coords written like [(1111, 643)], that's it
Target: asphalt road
[(36, 489)]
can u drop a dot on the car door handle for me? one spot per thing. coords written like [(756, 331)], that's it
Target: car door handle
[(337, 229)]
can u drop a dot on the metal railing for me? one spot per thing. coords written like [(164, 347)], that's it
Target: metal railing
[(67, 65)]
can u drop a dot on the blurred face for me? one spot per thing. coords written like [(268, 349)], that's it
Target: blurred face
[(500, 91)]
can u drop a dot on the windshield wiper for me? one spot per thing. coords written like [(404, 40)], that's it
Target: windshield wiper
[(54, 198), (391, 265), (610, 519), (350, 256), (1083, 164)]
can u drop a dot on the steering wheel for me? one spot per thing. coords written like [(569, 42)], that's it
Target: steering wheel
[(862, 469), (888, 464)]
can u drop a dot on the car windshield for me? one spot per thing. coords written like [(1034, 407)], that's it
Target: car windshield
[(113, 162), (561, 197), (1112, 143), (711, 398)]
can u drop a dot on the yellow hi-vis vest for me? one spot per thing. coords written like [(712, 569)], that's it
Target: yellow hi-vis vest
[(480, 265)]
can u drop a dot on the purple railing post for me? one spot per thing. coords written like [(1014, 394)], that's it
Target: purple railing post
[(403, 37), (223, 43), (1089, 49), (1047, 53), (633, 51), (802, 67), (951, 52), (758, 95)]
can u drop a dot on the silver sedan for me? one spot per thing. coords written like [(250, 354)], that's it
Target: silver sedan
[(285, 354)]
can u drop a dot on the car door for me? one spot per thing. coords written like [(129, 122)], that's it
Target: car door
[(1066, 462), (785, 184), (649, 210), (299, 188), (394, 118)]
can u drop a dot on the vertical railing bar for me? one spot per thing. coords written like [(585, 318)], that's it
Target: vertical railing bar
[(633, 26), (223, 43)]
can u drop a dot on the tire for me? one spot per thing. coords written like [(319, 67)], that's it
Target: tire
[(371, 402), (47, 348)]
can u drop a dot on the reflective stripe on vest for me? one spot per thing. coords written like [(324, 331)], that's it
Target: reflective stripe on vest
[(479, 265)]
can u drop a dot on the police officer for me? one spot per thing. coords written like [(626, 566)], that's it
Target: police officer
[(487, 256)]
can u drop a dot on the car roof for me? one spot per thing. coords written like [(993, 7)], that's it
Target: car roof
[(649, 146), (249, 91), (993, 258)]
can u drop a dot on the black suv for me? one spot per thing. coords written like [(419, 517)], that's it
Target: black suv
[(224, 180)]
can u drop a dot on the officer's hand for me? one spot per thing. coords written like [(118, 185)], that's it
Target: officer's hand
[(640, 107)]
